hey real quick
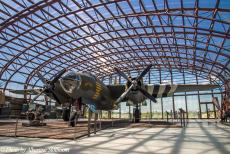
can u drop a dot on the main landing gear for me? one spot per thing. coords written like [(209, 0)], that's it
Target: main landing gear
[(66, 113), (136, 114), (73, 112)]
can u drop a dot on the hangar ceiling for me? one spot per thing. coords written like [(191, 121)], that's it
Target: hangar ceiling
[(95, 36)]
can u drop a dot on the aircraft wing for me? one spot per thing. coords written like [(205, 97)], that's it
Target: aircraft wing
[(26, 91), (164, 90), (116, 90)]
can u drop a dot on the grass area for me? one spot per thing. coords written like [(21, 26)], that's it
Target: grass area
[(155, 115)]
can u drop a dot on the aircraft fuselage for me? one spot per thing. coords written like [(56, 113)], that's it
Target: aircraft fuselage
[(89, 88)]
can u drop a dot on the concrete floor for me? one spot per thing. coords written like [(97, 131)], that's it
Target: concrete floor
[(199, 138)]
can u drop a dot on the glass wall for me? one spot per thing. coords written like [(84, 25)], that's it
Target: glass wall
[(145, 110), (157, 109), (193, 106), (167, 105), (180, 102)]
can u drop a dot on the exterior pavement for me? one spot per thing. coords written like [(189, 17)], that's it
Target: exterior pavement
[(199, 138)]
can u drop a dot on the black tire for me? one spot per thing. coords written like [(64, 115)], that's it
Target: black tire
[(30, 116), (137, 115), (72, 119), (65, 114)]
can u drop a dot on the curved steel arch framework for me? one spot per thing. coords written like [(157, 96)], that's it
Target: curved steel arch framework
[(89, 35)]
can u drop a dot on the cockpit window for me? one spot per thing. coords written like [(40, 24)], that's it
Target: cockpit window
[(90, 75), (78, 78), (71, 75), (93, 76)]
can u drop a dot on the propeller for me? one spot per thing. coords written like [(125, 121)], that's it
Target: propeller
[(146, 70), (49, 85), (144, 92), (135, 85), (122, 74), (124, 94)]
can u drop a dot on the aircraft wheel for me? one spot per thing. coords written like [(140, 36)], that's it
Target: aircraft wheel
[(65, 114), (31, 116), (72, 119), (137, 116)]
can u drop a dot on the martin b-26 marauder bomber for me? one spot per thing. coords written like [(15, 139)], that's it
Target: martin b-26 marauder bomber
[(76, 87)]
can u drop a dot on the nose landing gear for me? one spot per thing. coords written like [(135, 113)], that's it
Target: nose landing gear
[(65, 113), (136, 114), (76, 112)]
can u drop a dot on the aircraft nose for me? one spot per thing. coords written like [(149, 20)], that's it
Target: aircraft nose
[(70, 83), (67, 85)]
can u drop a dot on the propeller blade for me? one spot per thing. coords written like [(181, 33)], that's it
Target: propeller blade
[(34, 99), (41, 78), (55, 96), (144, 92), (144, 72), (122, 74), (49, 85), (124, 94), (55, 79)]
